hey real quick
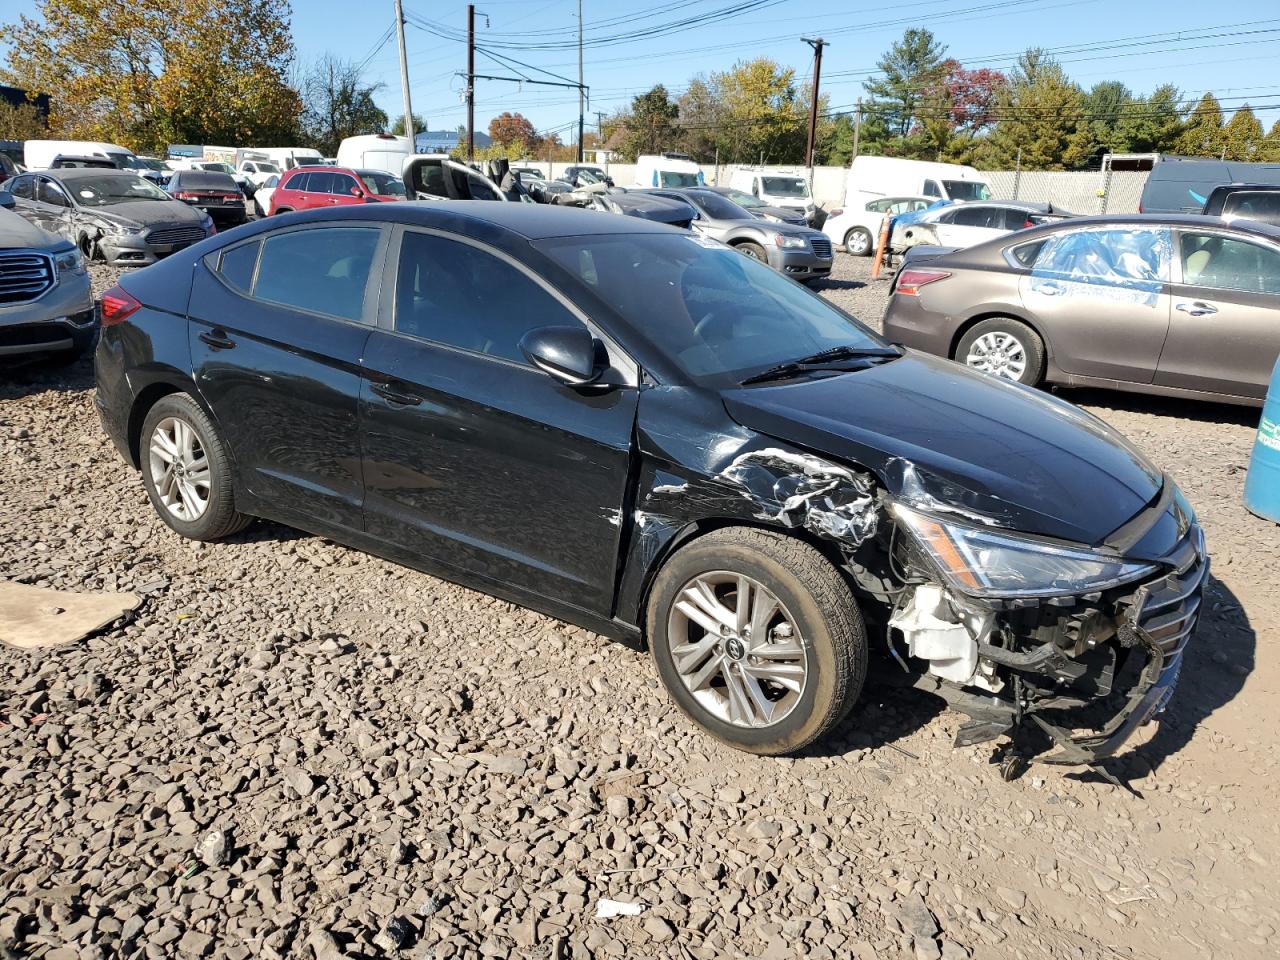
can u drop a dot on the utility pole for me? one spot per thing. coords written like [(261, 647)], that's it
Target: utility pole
[(857, 125), (471, 81), (817, 45), (581, 89), (404, 79)]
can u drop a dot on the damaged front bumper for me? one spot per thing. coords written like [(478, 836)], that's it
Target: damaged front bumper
[(1082, 672)]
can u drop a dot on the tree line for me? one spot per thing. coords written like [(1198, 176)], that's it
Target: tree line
[(922, 104), (147, 73)]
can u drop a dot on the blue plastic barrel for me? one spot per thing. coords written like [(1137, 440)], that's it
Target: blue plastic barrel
[(1262, 486)]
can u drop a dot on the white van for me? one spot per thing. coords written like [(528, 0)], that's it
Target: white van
[(871, 178), (776, 187), (38, 154), (668, 170), (378, 151), (286, 158)]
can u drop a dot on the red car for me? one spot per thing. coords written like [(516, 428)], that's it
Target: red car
[(310, 188)]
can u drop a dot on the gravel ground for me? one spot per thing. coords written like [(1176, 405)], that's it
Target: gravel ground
[(295, 749)]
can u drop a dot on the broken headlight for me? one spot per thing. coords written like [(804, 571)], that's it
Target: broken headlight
[(984, 563)]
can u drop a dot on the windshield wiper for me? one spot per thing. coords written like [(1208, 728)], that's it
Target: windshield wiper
[(822, 360)]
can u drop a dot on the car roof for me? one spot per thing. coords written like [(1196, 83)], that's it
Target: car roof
[(74, 173), (533, 221), (1159, 219)]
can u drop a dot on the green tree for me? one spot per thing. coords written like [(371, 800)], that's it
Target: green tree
[(1104, 106), (835, 141), (701, 116), (1242, 136), (1041, 121), (651, 124), (1270, 152), (21, 121), (1151, 124), (397, 125), (910, 67), (338, 104), (146, 73), (1202, 134), (762, 113)]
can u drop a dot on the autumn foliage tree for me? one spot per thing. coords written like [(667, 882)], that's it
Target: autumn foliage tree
[(145, 73), (508, 128)]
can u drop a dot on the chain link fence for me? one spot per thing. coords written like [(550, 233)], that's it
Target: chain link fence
[(1088, 192)]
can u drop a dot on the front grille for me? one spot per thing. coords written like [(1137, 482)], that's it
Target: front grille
[(24, 277), (187, 233), (821, 246), (1168, 616)]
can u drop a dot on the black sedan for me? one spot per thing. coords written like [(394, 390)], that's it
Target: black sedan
[(215, 194), (645, 433)]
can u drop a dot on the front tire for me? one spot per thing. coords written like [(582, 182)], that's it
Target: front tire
[(187, 470), (1003, 347), (858, 242), (773, 674), (753, 250)]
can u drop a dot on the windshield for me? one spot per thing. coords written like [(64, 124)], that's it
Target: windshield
[(718, 315), (104, 191), (588, 176), (219, 167), (967, 189), (127, 161), (784, 187), (719, 207), (743, 199), (266, 167), (382, 184), (670, 178)]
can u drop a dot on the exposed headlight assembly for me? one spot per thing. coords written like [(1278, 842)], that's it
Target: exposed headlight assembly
[(69, 262), (982, 562), (790, 243), (121, 230)]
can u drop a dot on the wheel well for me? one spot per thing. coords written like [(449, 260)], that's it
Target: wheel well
[(698, 529), (994, 315)]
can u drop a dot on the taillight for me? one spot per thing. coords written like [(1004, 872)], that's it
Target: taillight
[(910, 281), (1027, 223), (118, 306), (186, 195)]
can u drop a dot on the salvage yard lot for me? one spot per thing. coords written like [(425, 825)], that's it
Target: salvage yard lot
[(383, 748)]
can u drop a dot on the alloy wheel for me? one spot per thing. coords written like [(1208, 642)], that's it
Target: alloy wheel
[(998, 353), (737, 650), (180, 469), (858, 243)]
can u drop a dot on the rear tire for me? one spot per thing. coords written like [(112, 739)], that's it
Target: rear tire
[(282, 210), (857, 242), (187, 470), (753, 250), (814, 638), (1003, 347)]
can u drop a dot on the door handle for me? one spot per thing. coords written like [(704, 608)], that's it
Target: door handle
[(217, 339), (1049, 288), (1196, 308), (391, 394)]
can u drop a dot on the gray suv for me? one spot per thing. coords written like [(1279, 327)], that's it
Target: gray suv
[(45, 301), (795, 251)]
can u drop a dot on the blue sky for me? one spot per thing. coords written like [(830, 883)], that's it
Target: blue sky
[(1232, 50)]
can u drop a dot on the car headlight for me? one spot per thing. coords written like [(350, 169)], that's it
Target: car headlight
[(790, 243), (69, 262), (983, 563), (121, 229)]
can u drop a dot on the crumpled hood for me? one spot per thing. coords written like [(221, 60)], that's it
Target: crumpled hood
[(17, 231), (147, 213), (949, 438)]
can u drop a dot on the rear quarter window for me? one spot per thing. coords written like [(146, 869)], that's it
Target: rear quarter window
[(237, 265)]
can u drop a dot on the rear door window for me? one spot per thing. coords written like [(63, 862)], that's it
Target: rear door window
[(1126, 259), (319, 182), (324, 270), (1221, 263), (457, 294), (988, 217)]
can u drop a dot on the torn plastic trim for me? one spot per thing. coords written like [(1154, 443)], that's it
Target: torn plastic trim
[(802, 490), (933, 494)]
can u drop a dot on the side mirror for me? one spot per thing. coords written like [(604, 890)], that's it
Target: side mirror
[(6, 200), (567, 354), (357, 192)]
